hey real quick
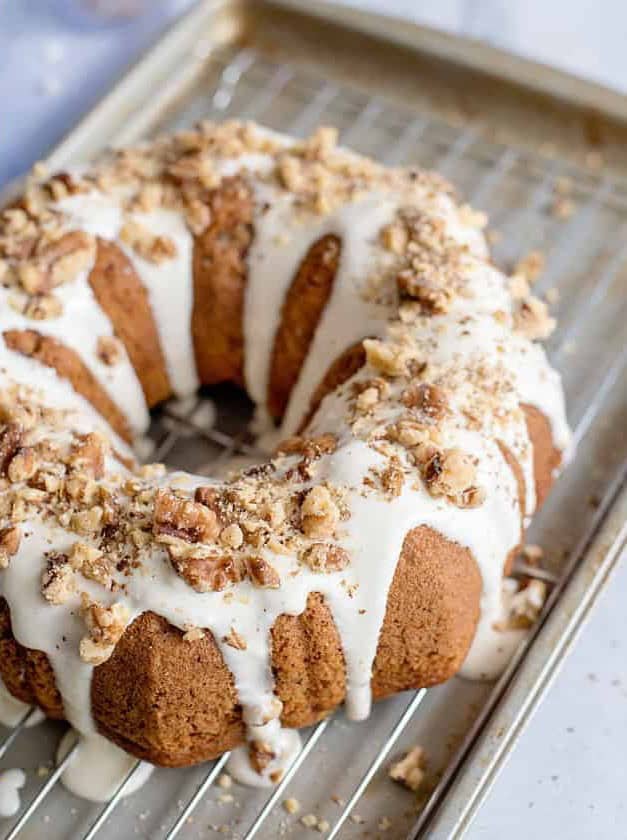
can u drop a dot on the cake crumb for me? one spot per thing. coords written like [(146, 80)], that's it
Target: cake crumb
[(291, 805), (225, 781)]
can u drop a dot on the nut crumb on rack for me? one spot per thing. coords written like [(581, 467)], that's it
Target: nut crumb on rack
[(410, 770), (225, 781), (291, 805)]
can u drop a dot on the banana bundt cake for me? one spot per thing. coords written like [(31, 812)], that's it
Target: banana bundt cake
[(420, 426)]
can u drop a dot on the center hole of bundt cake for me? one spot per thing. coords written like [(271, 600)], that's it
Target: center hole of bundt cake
[(207, 433)]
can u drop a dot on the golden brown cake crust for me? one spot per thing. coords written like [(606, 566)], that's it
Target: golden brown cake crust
[(219, 267), (302, 308), (173, 702), (123, 298)]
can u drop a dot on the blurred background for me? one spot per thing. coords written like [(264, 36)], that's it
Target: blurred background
[(59, 56)]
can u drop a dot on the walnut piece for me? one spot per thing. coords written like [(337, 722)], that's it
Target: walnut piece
[(10, 439), (409, 771), (235, 640), (57, 580), (319, 513), (88, 456), (208, 574), (91, 563), (262, 573), (105, 626), (325, 557), (430, 400), (109, 350), (153, 248), (532, 319), (23, 465), (452, 473), (261, 754), (390, 359), (10, 538), (189, 521)]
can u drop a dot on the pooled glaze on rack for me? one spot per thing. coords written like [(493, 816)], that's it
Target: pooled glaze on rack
[(472, 333)]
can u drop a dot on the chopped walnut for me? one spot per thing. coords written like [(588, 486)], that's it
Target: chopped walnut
[(88, 455), (263, 574), (43, 308), (193, 634), (452, 473), (232, 536), (151, 247), (319, 513), (324, 557), (23, 465), (235, 640), (433, 299), (526, 604), (10, 439), (91, 562), (189, 521), (409, 433), (261, 754), (409, 771), (430, 400), (532, 319), (87, 522), (394, 238), (310, 448), (109, 350), (208, 574), (392, 478), (57, 581), (390, 359), (197, 216), (105, 626), (10, 538)]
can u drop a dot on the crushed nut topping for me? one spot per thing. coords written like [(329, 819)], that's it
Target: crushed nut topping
[(105, 627), (155, 249), (319, 513), (188, 521), (532, 319), (109, 350), (57, 581), (235, 640), (10, 538), (325, 557), (452, 473)]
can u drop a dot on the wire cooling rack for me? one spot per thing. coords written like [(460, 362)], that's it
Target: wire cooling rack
[(578, 221)]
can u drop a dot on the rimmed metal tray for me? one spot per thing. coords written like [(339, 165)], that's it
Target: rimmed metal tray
[(400, 93)]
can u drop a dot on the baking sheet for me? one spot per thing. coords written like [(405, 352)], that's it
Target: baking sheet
[(238, 60)]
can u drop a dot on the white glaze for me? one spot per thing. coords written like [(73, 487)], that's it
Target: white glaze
[(12, 710), (10, 783), (169, 284), (98, 768), (374, 534)]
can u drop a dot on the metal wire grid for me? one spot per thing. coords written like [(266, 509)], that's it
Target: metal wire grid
[(586, 261)]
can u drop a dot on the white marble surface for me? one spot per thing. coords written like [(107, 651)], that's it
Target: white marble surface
[(567, 777)]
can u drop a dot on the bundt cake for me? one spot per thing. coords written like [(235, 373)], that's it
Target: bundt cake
[(419, 422)]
